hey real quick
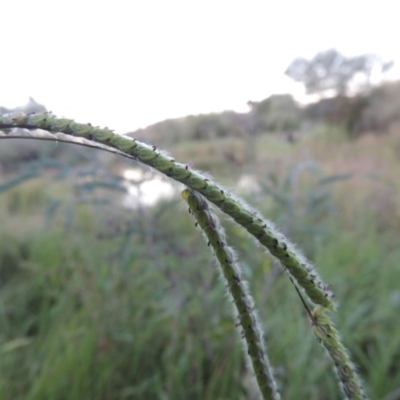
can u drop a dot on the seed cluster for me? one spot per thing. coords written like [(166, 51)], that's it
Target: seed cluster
[(329, 338)]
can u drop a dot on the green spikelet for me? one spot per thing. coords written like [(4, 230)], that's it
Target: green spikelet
[(121, 142), (329, 338), (83, 130), (60, 125), (42, 120)]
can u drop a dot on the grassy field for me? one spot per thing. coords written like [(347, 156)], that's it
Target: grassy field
[(100, 302)]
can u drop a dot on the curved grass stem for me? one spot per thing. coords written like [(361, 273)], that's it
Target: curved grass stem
[(263, 230), (230, 270)]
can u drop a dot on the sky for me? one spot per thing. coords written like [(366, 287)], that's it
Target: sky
[(129, 64)]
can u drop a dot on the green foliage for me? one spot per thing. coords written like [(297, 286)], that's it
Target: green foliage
[(260, 228), (98, 324), (375, 110), (70, 307), (81, 318), (277, 113), (380, 111), (302, 199), (340, 110)]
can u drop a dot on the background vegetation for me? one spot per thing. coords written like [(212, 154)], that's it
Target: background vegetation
[(102, 301)]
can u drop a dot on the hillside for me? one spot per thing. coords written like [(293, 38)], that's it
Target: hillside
[(373, 110)]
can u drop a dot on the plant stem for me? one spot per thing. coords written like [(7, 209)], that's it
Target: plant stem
[(230, 270), (329, 338), (262, 229)]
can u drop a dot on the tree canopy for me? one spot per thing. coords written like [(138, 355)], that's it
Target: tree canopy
[(331, 70)]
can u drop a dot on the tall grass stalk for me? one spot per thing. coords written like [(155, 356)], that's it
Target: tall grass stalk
[(329, 337), (263, 230), (237, 288)]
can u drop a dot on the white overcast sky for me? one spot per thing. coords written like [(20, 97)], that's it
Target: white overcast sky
[(128, 64)]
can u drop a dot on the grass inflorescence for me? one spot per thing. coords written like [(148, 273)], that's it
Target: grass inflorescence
[(237, 288), (328, 336), (255, 224), (264, 231)]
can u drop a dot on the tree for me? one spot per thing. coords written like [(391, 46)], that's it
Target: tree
[(278, 112), (331, 70)]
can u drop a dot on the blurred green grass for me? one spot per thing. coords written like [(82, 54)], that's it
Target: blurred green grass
[(109, 303)]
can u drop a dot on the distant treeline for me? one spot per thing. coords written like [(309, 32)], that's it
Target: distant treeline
[(371, 111)]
